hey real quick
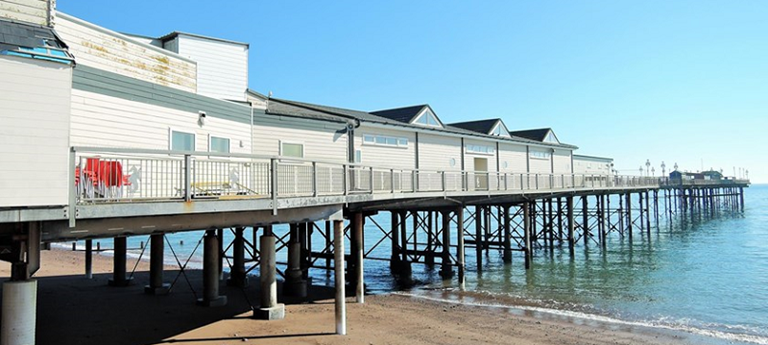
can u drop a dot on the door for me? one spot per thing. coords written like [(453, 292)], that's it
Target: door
[(481, 173)]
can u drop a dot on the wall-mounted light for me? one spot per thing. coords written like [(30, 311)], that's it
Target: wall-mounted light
[(201, 118)]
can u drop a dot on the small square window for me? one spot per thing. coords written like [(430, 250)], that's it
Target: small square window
[(292, 150), (182, 141), (220, 145)]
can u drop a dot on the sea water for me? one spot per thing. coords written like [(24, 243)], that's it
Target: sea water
[(693, 273)]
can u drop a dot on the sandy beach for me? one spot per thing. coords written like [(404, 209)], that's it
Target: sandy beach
[(76, 310)]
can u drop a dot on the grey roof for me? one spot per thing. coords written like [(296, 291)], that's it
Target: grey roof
[(404, 114), (14, 35), (538, 134), (479, 126)]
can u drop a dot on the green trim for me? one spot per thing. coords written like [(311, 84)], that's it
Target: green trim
[(94, 80)]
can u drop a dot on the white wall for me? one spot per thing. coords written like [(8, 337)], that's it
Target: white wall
[(435, 152), (515, 157), (562, 161), (387, 156), (591, 165), (100, 120), (114, 52), (469, 158), (222, 67), (31, 11), (540, 165), (321, 139), (34, 136)]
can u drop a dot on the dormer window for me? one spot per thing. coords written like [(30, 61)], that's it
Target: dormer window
[(427, 119), (500, 130), (551, 138)]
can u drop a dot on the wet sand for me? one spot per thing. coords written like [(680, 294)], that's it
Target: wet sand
[(76, 310)]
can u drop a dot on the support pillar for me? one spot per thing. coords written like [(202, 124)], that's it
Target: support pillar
[(89, 259), (294, 285), (19, 312), (156, 265), (220, 242), (237, 275), (585, 219), (338, 251), (269, 309), (647, 213), (394, 261), (446, 268), (460, 243), (357, 236), (479, 236), (507, 255), (629, 215), (430, 257), (119, 260), (211, 262), (527, 232), (571, 225)]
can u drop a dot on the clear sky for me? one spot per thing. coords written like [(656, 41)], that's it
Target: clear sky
[(683, 82)]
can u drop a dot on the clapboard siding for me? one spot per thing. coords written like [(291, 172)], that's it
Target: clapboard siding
[(540, 165), (513, 158), (106, 121), (562, 161), (435, 152), (31, 11), (114, 52), (469, 158), (34, 137), (591, 165), (322, 140), (222, 67), (387, 156)]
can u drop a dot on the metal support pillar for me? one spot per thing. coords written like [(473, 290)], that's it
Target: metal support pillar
[(460, 244), (560, 221), (220, 237), (338, 262), (571, 223), (394, 262), (211, 262), (629, 214), (446, 268), (430, 257), (647, 213), (269, 309), (237, 276), (156, 265), (304, 250), (527, 234), (585, 219), (357, 236), (89, 259), (479, 236), (294, 285), (507, 255), (119, 260)]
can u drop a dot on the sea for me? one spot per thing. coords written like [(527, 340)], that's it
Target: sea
[(707, 276)]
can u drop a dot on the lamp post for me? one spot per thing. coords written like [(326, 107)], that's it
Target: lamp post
[(653, 172), (647, 167), (746, 172), (641, 170), (675, 166), (663, 169)]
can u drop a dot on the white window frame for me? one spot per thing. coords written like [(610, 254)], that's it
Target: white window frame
[(500, 127), (170, 138), (385, 137), (424, 113), (471, 148), (551, 133), (540, 155), (303, 148), (210, 143)]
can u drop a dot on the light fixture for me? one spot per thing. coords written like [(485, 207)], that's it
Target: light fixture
[(201, 118)]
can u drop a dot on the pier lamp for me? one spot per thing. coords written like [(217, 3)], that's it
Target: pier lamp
[(663, 169), (675, 166), (647, 167), (641, 170), (746, 173), (653, 171)]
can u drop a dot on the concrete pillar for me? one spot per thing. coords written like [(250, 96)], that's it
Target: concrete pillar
[(357, 236), (211, 262), (295, 285), (446, 270), (19, 312), (479, 236), (527, 234), (156, 265), (507, 255), (460, 244), (338, 251), (269, 309), (237, 276), (119, 260), (89, 259), (571, 225)]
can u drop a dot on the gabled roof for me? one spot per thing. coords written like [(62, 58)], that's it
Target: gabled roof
[(480, 126), (533, 134), (405, 114)]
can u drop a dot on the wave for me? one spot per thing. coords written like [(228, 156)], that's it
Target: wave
[(668, 324)]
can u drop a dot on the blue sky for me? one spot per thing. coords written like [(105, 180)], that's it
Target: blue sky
[(685, 82)]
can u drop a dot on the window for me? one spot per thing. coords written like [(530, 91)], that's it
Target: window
[(428, 119), (499, 131), (551, 138), (220, 145), (182, 141), (481, 149), (358, 156), (382, 140), (540, 154), (292, 150)]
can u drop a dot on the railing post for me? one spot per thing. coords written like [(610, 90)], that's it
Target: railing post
[(73, 195), (537, 181), (187, 177), (314, 179), (506, 181), (371, 184), (442, 179), (392, 180), (273, 179), (346, 179), (488, 181), (551, 181), (414, 179)]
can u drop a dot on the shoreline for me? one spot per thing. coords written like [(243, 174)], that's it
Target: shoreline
[(412, 317)]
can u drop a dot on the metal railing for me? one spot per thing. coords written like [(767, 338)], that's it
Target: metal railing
[(112, 174)]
